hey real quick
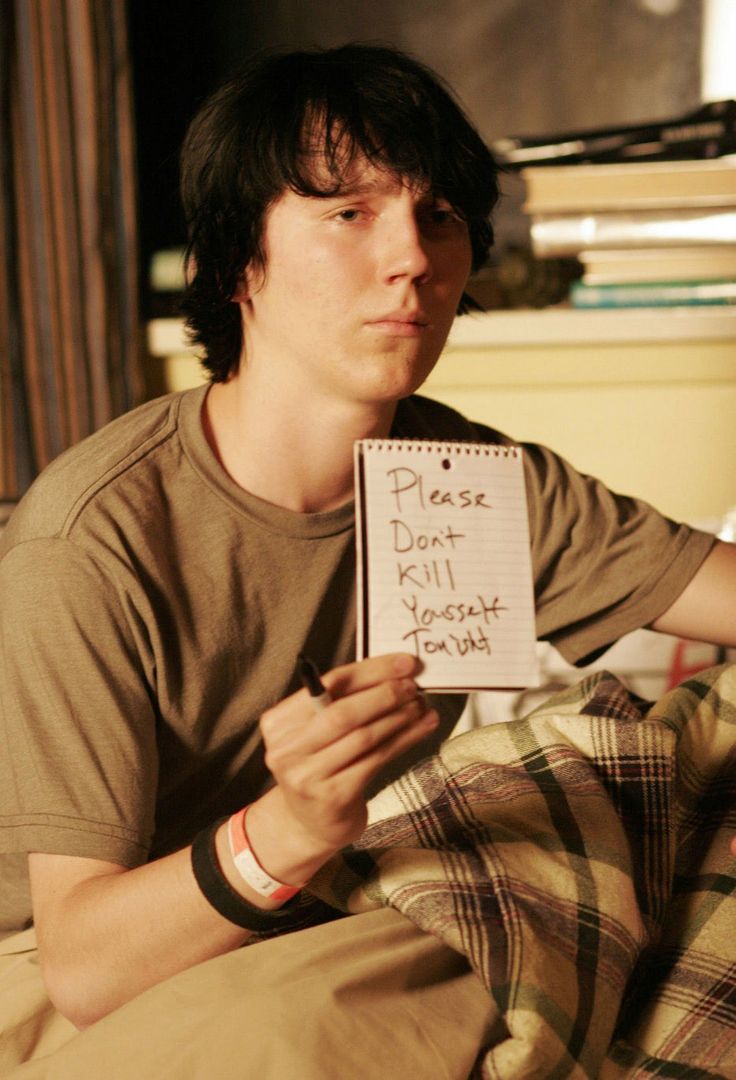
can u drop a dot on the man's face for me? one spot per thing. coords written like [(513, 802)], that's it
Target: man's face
[(359, 290)]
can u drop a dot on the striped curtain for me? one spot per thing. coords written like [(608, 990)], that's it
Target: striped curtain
[(70, 333)]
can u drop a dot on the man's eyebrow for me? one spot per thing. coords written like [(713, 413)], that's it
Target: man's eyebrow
[(358, 187), (374, 186)]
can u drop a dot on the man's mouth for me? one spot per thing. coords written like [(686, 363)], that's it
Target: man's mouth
[(404, 323)]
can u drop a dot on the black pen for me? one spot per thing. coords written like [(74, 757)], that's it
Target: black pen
[(309, 674)]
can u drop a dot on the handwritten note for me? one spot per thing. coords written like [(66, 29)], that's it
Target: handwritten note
[(444, 566)]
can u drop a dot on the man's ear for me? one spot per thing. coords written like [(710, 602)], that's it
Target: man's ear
[(242, 290), (249, 282)]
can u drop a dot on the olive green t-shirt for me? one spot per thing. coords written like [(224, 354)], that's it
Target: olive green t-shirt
[(150, 610)]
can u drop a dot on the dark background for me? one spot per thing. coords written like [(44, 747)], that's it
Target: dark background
[(518, 66)]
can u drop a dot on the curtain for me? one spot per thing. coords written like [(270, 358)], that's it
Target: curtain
[(70, 333)]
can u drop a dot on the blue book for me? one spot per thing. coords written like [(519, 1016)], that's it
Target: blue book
[(652, 294)]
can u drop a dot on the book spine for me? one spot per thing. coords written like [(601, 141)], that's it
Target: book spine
[(568, 234), (585, 199), (706, 132), (653, 294)]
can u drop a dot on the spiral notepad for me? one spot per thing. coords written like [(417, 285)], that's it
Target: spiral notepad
[(444, 564)]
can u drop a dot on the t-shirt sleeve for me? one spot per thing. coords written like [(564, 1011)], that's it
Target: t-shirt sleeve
[(78, 759), (604, 564)]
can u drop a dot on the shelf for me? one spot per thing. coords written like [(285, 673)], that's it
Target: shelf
[(567, 326)]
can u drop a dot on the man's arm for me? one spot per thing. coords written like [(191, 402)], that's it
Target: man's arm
[(706, 609), (106, 933)]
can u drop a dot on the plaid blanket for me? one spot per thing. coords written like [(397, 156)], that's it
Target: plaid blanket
[(580, 859)]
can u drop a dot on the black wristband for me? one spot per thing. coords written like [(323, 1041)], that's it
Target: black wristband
[(218, 891)]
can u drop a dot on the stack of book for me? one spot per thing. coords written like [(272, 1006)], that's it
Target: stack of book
[(647, 233)]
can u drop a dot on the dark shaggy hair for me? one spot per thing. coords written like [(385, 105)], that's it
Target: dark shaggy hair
[(255, 137)]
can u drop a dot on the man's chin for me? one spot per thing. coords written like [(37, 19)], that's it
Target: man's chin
[(409, 367)]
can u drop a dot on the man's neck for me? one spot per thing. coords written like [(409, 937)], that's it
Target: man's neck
[(296, 457)]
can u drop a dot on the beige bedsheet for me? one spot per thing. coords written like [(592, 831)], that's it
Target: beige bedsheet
[(369, 996)]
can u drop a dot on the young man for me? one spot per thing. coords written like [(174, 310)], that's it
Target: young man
[(161, 579)]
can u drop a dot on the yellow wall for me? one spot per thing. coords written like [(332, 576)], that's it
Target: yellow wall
[(657, 420)]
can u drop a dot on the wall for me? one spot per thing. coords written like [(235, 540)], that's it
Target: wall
[(643, 400)]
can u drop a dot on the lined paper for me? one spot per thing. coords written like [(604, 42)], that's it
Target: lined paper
[(444, 563)]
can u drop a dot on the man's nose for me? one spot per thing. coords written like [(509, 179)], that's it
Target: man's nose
[(406, 253)]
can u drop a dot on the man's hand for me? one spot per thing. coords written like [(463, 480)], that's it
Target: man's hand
[(322, 761)]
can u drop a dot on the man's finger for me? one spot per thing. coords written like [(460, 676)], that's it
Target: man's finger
[(361, 674)]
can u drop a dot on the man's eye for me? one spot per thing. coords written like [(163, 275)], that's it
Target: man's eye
[(443, 215), (348, 215)]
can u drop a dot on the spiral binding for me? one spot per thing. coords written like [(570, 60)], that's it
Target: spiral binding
[(467, 449)]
